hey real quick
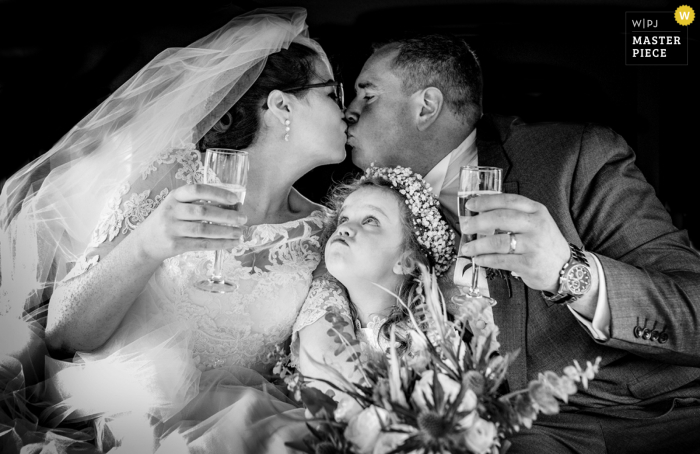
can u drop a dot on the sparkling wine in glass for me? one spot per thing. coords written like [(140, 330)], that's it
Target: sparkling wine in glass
[(227, 169), (475, 181)]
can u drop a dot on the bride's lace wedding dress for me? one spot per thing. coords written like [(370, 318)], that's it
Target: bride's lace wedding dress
[(188, 370)]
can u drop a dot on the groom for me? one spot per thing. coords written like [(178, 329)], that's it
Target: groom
[(631, 296)]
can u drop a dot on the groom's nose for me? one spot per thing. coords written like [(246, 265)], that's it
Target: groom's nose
[(352, 113)]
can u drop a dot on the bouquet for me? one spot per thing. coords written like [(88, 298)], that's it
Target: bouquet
[(436, 395)]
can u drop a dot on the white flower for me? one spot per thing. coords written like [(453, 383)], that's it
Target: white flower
[(469, 420), (423, 392), (468, 401), (388, 441), (364, 428), (481, 436), (347, 408)]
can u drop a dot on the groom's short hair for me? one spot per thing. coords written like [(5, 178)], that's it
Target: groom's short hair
[(442, 61)]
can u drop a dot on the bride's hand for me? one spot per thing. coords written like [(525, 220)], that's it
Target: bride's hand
[(181, 223)]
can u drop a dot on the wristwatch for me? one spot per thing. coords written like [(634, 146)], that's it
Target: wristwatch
[(574, 279)]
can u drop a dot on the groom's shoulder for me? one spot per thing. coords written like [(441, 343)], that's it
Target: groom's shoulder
[(509, 128), (558, 138)]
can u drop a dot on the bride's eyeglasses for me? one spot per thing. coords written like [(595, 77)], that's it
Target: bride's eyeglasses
[(338, 93)]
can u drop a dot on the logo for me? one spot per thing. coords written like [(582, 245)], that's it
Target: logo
[(657, 38), (684, 15)]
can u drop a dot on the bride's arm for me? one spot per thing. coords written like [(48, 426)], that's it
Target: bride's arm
[(86, 309)]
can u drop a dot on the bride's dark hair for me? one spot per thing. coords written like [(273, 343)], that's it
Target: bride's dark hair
[(413, 253), (290, 67)]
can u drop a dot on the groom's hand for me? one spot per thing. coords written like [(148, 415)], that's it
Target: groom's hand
[(540, 248)]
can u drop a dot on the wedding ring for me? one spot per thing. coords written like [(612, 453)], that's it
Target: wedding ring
[(513, 243)]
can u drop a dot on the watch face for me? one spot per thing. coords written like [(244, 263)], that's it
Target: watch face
[(578, 279)]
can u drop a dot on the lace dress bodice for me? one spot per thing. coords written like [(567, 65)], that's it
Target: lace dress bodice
[(272, 267)]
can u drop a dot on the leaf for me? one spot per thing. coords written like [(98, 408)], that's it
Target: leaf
[(299, 446), (395, 374), (438, 393), (348, 386), (412, 444), (316, 400), (316, 432)]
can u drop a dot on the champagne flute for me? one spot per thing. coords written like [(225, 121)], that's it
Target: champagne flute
[(475, 181), (226, 169)]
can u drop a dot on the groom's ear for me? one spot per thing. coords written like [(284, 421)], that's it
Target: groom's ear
[(278, 104), (428, 102)]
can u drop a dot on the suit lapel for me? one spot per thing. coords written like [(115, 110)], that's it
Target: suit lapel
[(490, 148), (510, 311)]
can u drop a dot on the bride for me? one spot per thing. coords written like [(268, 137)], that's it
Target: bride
[(117, 233)]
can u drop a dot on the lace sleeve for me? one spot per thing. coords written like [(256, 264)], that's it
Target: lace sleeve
[(131, 204), (326, 293)]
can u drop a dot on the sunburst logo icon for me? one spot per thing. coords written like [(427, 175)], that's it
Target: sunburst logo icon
[(684, 15)]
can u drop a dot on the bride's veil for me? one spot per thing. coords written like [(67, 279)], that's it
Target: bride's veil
[(49, 208)]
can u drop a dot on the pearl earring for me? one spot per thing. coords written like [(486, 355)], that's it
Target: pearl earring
[(287, 129)]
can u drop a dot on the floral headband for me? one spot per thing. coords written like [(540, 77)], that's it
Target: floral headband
[(432, 232)]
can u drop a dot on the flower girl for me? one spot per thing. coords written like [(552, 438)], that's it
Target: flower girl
[(383, 226)]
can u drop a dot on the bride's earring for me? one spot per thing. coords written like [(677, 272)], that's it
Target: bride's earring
[(287, 129), (224, 123)]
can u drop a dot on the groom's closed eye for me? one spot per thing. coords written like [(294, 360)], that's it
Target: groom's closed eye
[(362, 90)]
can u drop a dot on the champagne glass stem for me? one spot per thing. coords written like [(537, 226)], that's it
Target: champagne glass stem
[(474, 290), (216, 274)]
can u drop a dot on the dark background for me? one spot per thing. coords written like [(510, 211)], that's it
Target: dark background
[(543, 61)]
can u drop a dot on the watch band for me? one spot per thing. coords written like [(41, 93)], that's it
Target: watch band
[(563, 296)]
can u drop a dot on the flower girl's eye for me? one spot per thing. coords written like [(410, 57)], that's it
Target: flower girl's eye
[(371, 220), (342, 219)]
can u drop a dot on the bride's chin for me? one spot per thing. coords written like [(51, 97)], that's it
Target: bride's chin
[(337, 156)]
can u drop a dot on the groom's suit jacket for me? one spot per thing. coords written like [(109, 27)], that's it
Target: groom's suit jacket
[(586, 177)]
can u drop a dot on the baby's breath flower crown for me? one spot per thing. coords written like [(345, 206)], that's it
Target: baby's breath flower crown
[(432, 232)]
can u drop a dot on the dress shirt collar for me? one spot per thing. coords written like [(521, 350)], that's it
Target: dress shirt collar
[(436, 176)]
